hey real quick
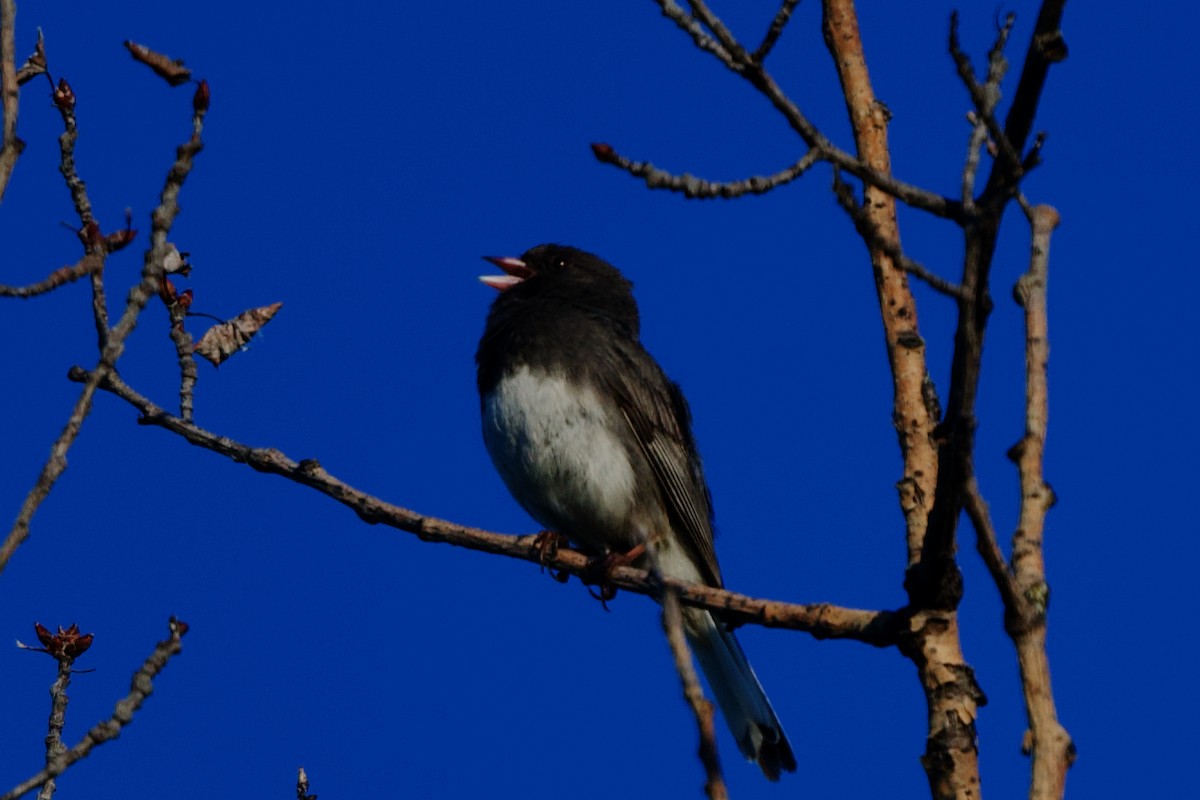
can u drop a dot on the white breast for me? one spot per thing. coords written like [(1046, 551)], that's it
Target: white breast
[(558, 454)]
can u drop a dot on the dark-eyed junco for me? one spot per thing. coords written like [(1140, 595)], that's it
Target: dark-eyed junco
[(595, 442)]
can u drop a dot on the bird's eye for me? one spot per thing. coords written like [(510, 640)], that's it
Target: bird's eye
[(562, 263)]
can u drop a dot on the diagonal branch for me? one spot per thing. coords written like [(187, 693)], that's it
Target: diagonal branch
[(872, 235), (701, 706), (735, 58), (821, 620), (782, 16), (114, 343), (87, 265)]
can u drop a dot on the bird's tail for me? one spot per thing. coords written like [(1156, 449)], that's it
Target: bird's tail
[(740, 696)]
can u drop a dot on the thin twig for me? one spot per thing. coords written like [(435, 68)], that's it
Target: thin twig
[(58, 718), (64, 100), (685, 21), (34, 65), (695, 188), (821, 620), (986, 95), (184, 351), (987, 543), (870, 233), (60, 277), (742, 63), (141, 687), (152, 269), (971, 163), (775, 30), (702, 708), (1047, 47), (708, 19)]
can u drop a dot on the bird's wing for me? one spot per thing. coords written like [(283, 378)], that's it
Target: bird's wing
[(661, 422)]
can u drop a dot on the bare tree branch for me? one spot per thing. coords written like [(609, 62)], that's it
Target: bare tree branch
[(867, 230), (1047, 47), (114, 344), (673, 12), (986, 95), (187, 361), (702, 708), (60, 277), (34, 65), (58, 718), (695, 188), (141, 687), (821, 620), (952, 696), (10, 146), (735, 58), (987, 543), (1051, 746), (775, 30)]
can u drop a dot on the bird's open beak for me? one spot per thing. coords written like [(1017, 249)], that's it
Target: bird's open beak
[(517, 271)]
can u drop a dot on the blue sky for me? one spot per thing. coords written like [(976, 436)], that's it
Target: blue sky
[(357, 164)]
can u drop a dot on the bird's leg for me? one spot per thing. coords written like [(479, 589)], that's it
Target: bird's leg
[(599, 572), (546, 545)]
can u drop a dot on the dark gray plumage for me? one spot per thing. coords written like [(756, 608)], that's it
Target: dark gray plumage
[(595, 442)]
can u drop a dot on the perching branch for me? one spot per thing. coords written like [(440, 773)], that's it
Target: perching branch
[(821, 620), (141, 687)]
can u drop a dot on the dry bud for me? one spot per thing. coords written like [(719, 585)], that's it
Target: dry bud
[(64, 97)]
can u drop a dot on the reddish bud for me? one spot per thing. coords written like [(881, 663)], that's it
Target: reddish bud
[(185, 300), (64, 97), (201, 97), (91, 236), (604, 152), (120, 239), (66, 644)]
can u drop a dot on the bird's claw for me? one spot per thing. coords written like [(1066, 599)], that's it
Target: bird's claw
[(546, 545), (599, 573)]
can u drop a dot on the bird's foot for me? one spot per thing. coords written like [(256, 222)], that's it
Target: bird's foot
[(598, 573), (546, 545)]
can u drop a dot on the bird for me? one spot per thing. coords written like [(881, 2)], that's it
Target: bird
[(595, 442)]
